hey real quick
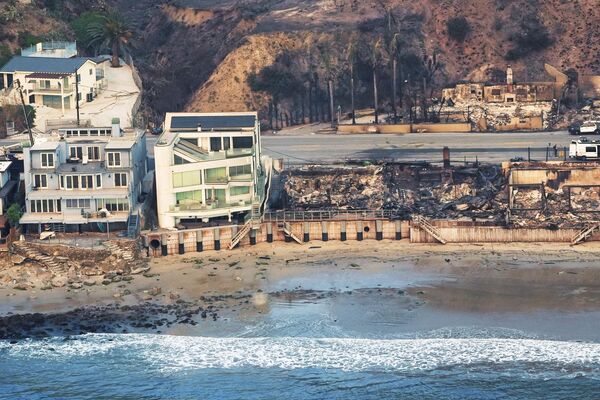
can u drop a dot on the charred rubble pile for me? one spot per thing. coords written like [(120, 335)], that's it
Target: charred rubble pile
[(552, 209), (470, 191)]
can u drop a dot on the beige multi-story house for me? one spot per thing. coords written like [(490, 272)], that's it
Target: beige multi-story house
[(209, 166), (84, 179), (49, 74)]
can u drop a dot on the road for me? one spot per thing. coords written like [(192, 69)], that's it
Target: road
[(490, 147)]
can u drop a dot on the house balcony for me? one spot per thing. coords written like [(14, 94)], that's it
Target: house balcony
[(51, 90), (196, 206)]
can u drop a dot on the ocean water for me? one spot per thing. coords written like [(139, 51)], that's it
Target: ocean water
[(150, 366)]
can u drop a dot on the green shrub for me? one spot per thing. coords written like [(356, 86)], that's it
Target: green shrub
[(458, 28), (5, 54), (27, 39), (81, 26), (14, 214)]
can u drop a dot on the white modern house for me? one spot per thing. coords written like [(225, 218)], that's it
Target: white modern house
[(209, 166), (54, 77), (6, 185), (84, 179)]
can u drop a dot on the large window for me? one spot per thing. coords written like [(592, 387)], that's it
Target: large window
[(93, 153), (47, 160), (240, 170), (87, 181), (187, 178), (78, 203), (40, 181), (242, 142), (194, 196), (239, 190), (76, 152), (121, 180), (114, 159), (215, 144), (113, 204), (44, 206), (179, 161), (216, 175), (71, 182)]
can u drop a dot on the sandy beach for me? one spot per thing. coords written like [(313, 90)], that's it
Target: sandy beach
[(456, 283)]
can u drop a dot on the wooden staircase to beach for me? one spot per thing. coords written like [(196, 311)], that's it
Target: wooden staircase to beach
[(423, 224), (286, 228), (252, 223), (585, 233)]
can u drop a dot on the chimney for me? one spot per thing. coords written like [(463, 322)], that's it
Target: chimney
[(116, 128), (509, 75)]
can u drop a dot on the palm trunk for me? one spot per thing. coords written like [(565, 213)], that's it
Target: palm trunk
[(352, 95), (375, 100), (330, 85), (394, 83), (115, 54), (302, 106)]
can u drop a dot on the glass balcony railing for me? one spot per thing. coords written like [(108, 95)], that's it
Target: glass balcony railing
[(210, 205)]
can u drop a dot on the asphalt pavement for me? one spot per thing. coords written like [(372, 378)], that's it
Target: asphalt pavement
[(488, 147)]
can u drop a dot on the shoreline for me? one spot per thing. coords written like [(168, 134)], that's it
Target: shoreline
[(210, 292)]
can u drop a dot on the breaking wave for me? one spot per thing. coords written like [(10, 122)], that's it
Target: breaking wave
[(174, 353)]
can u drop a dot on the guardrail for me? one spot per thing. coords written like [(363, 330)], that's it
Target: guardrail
[(322, 215)]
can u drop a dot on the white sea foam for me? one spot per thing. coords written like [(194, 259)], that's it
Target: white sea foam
[(403, 355)]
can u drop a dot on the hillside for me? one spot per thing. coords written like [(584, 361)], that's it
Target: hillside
[(200, 54)]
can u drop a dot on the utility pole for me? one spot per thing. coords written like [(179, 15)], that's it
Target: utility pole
[(25, 111), (77, 95)]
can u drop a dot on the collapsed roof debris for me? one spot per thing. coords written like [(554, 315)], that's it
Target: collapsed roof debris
[(549, 195), (423, 189)]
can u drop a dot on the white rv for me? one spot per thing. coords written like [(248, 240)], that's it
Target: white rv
[(584, 149)]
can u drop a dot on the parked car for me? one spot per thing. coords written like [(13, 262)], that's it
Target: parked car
[(574, 128)]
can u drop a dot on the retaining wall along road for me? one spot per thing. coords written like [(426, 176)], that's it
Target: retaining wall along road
[(404, 128)]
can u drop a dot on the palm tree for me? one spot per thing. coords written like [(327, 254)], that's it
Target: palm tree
[(394, 54), (351, 57), (375, 59), (329, 72), (111, 31)]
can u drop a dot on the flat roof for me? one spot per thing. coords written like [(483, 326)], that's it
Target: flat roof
[(47, 145), (213, 121), (119, 144), (44, 64), (4, 165)]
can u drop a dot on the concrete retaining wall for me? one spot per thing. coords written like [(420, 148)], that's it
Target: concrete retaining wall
[(404, 128), (219, 238)]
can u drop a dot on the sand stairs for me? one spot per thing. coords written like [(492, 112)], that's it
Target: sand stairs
[(122, 251), (34, 254)]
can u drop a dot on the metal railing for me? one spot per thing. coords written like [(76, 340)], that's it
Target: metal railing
[(323, 215)]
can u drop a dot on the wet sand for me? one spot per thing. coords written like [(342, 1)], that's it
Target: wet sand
[(384, 287)]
